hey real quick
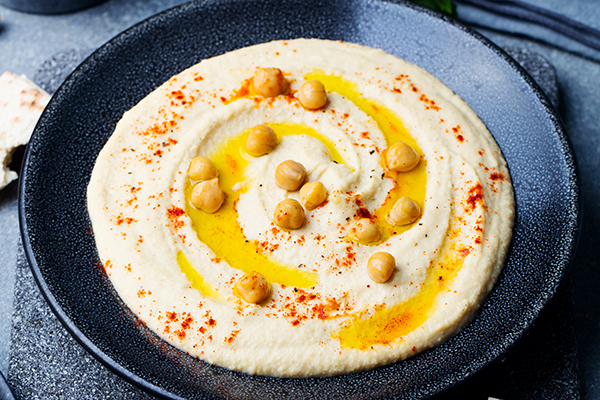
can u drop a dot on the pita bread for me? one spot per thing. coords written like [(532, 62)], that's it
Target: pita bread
[(21, 104)]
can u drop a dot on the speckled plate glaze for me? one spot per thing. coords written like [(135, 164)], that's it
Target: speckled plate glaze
[(83, 113)]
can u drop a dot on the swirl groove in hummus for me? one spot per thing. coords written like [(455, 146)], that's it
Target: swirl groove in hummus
[(176, 266)]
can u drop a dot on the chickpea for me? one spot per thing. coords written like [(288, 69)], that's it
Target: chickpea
[(312, 195), (208, 196), (261, 140), (289, 214), (404, 212), (269, 82), (400, 157), (253, 287), (381, 266), (202, 169), (289, 175), (365, 231), (312, 95)]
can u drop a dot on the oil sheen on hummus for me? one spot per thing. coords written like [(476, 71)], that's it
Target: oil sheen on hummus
[(176, 266)]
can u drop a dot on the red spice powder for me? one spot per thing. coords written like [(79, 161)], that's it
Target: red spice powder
[(160, 129), (495, 176), (173, 214), (120, 219), (464, 251), (458, 136), (232, 336), (171, 316), (347, 260), (363, 212), (187, 322), (244, 90), (303, 305), (231, 163), (475, 196), (264, 247), (145, 158), (429, 104), (178, 94)]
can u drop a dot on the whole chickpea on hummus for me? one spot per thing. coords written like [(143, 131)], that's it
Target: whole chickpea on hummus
[(302, 208)]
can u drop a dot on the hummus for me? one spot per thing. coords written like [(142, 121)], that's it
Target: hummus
[(177, 267)]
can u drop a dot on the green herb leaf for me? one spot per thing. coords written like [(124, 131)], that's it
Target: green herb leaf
[(443, 6)]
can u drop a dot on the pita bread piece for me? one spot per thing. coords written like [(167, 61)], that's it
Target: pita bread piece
[(21, 104)]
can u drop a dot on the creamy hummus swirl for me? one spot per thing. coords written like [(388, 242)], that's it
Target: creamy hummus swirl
[(176, 266)]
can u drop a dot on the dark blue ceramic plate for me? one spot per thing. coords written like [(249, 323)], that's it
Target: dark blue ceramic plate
[(83, 113)]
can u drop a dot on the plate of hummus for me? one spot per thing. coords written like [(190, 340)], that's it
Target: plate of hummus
[(243, 199)]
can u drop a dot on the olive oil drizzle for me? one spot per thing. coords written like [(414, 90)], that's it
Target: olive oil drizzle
[(221, 231), (288, 129), (410, 184), (389, 324), (223, 234), (197, 281)]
